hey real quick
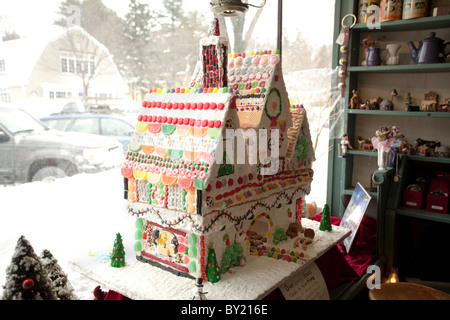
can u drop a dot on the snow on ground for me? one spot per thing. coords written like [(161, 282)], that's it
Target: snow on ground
[(68, 217)]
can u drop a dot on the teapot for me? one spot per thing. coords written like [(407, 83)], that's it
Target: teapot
[(431, 50)]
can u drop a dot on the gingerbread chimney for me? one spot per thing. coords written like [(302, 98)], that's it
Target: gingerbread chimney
[(214, 58)]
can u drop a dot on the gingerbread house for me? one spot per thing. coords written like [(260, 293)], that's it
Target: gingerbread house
[(219, 170)]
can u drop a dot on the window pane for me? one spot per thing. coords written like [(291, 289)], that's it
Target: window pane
[(16, 120), (71, 66), (5, 95), (115, 127), (63, 65), (58, 124), (86, 125)]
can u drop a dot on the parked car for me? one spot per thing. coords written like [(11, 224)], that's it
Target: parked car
[(31, 151), (111, 125)]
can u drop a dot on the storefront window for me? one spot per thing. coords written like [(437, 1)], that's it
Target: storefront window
[(131, 47)]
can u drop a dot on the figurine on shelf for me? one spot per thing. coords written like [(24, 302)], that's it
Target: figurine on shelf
[(408, 100), (374, 104), (394, 94), (365, 144), (345, 145), (444, 106), (430, 102), (432, 145), (355, 101)]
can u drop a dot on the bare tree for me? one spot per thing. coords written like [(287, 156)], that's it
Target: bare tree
[(7, 31), (79, 54)]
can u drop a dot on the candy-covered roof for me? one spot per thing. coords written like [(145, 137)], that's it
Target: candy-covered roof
[(249, 75), (177, 135)]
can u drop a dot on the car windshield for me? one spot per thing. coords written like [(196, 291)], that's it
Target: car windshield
[(16, 120)]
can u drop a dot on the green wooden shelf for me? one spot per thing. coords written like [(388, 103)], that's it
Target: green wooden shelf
[(423, 214), (344, 171), (406, 68), (373, 153), (399, 113), (438, 22), (417, 158), (427, 159)]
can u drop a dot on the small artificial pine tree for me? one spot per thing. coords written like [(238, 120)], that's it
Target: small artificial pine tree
[(26, 278), (118, 254), (212, 268), (63, 288), (325, 222)]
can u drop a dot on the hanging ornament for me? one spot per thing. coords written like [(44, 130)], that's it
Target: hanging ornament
[(343, 40), (28, 284)]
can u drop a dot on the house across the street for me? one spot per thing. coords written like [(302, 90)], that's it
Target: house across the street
[(54, 70)]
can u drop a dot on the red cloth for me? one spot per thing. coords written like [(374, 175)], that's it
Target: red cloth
[(363, 247), (112, 295)]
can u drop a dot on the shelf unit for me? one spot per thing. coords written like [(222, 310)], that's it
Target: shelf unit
[(415, 68), (344, 171)]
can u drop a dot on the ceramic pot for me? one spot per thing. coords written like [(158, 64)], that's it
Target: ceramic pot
[(393, 54), (374, 57)]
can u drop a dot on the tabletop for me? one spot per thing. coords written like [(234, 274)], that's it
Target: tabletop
[(259, 277)]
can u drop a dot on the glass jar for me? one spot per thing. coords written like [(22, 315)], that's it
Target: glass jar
[(391, 10), (415, 9)]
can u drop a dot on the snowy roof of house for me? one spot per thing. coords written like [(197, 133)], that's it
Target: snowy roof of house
[(21, 55)]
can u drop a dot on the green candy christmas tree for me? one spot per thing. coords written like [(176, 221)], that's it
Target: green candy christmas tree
[(325, 222), (212, 269), (118, 254)]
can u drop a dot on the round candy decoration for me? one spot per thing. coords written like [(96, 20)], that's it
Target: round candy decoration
[(274, 60), (238, 61), (256, 60), (264, 61)]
